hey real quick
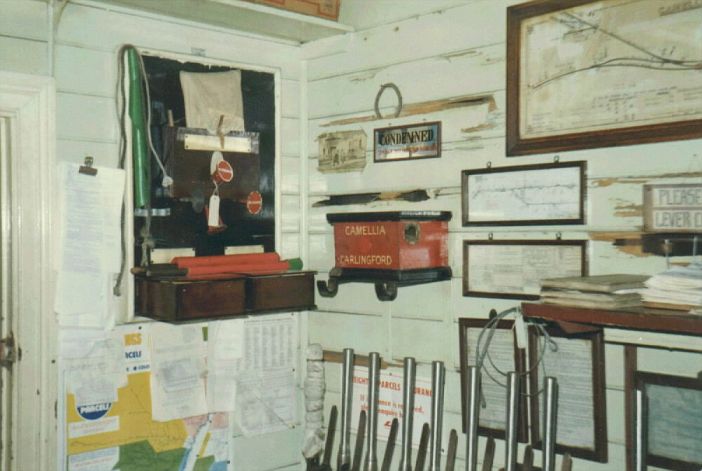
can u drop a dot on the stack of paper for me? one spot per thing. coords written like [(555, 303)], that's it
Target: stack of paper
[(597, 292), (676, 288)]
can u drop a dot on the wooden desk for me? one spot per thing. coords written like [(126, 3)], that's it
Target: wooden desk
[(655, 321), (659, 320)]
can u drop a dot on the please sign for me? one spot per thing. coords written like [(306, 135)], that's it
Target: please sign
[(673, 207)]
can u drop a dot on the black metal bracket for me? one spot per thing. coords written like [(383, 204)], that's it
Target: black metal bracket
[(386, 282)]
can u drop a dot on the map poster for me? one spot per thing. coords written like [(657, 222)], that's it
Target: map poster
[(122, 435), (524, 195), (597, 73)]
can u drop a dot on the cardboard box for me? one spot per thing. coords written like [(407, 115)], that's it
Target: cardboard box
[(327, 9)]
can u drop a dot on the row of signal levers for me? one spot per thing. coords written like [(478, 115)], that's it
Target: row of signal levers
[(430, 440)]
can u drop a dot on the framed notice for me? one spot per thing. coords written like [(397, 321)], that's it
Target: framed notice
[(342, 151), (524, 195), (504, 356), (673, 207), (415, 141), (586, 73), (578, 366), (673, 420), (514, 268)]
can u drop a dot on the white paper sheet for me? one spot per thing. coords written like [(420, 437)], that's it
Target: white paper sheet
[(94, 379), (391, 402), (178, 371), (266, 402), (265, 385), (225, 347), (89, 247)]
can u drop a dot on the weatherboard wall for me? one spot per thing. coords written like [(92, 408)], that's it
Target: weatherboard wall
[(453, 52), (87, 40)]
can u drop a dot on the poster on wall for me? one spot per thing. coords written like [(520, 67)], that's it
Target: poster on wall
[(119, 432), (390, 402), (342, 151), (410, 142)]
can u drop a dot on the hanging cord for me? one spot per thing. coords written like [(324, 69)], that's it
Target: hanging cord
[(482, 351), (167, 180), (121, 111)]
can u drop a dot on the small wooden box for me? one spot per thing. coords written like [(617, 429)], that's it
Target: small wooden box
[(182, 300), (289, 291)]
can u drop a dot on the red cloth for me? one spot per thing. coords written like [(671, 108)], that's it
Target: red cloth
[(218, 260)]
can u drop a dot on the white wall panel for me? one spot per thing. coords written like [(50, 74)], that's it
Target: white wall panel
[(417, 38), (290, 98), (473, 71), (24, 19), (24, 56), (337, 331), (86, 71), (106, 154), (290, 179), (290, 213), (109, 30), (256, 453), (88, 118)]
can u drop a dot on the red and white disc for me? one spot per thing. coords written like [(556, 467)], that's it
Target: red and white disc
[(224, 173), (254, 202)]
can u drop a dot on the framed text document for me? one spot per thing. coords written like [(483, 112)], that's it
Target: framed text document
[(514, 268), (673, 420), (578, 366), (503, 356), (598, 73), (546, 194)]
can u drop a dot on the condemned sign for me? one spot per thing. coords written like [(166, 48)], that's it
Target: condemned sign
[(416, 141), (673, 207)]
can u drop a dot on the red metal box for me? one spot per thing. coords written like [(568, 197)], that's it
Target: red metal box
[(397, 240), (390, 249)]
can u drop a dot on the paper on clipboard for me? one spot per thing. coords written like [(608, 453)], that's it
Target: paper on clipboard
[(89, 247)]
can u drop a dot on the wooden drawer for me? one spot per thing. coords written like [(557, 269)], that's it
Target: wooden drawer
[(184, 300), (289, 291), (179, 300)]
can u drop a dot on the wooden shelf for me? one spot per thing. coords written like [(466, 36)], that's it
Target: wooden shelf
[(659, 320), (235, 15)]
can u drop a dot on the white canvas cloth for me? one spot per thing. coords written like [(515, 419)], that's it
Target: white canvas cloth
[(210, 95)]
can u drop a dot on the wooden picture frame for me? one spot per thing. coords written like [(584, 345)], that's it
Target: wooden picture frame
[(407, 142), (537, 260), (562, 367), (685, 391), (519, 365), (573, 83), (502, 196)]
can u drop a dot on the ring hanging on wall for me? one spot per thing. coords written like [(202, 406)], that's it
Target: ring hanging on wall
[(398, 108)]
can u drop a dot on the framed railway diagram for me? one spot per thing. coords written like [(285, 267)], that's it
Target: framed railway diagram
[(599, 73), (543, 194)]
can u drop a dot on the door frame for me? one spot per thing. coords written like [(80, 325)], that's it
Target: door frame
[(29, 101)]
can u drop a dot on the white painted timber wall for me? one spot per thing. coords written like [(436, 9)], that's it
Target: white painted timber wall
[(86, 43), (443, 54)]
